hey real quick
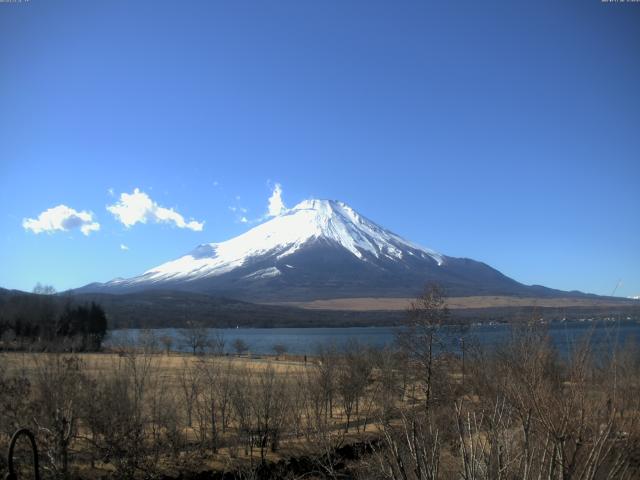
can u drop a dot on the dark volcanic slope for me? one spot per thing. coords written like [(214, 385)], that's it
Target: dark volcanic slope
[(321, 270)]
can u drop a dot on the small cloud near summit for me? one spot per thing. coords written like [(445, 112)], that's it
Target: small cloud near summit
[(239, 213), (276, 205), (138, 207)]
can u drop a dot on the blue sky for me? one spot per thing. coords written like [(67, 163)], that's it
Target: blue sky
[(507, 132)]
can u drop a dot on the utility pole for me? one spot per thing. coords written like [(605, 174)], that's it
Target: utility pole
[(616, 287)]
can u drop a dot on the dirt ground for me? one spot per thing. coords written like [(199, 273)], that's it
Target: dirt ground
[(489, 301)]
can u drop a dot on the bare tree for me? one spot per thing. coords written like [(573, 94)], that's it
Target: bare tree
[(261, 408), (167, 343), (410, 450), (189, 380), (352, 379), (322, 437), (279, 349), (240, 346), (421, 336), (269, 406), (195, 337), (58, 380), (240, 393), (41, 289), (212, 403), (165, 425), (217, 343), (224, 388), (148, 340), (117, 416), (326, 366), (392, 374)]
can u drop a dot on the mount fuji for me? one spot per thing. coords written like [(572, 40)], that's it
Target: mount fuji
[(320, 249)]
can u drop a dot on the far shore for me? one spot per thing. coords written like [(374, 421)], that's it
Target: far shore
[(457, 303)]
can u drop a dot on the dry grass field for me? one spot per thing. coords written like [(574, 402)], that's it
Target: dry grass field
[(186, 387), (395, 304), (170, 365)]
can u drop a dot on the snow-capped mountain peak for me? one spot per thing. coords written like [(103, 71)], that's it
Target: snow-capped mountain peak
[(310, 221), (339, 222), (319, 249)]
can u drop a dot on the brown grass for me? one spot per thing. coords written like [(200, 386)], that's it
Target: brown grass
[(395, 304), (171, 365)]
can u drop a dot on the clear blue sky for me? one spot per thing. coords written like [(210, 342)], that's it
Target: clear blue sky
[(508, 132)]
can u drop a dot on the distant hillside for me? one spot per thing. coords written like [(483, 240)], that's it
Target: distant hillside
[(166, 308), (157, 309)]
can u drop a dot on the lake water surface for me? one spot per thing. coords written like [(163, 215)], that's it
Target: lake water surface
[(305, 341)]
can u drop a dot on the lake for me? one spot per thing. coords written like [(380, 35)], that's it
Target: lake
[(303, 341)]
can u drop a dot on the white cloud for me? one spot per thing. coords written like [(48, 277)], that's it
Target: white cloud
[(138, 207), (61, 218), (123, 247), (276, 205), (239, 213), (111, 192)]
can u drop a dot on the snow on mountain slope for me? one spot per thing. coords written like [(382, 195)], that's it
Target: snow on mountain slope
[(320, 249), (282, 236)]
